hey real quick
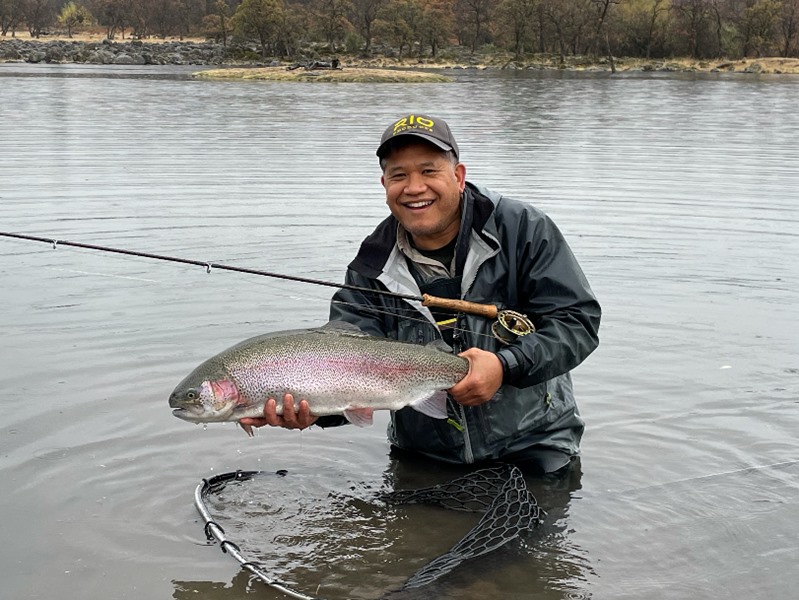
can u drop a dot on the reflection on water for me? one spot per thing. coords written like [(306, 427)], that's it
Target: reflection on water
[(677, 194), (240, 586), (97, 71)]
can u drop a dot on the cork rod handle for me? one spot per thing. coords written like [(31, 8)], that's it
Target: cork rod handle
[(473, 308)]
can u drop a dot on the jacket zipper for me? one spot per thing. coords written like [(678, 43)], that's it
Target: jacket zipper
[(468, 454)]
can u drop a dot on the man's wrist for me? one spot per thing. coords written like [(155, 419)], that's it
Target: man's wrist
[(510, 365)]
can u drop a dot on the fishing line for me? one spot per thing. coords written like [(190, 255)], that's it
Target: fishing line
[(406, 314), (422, 320), (210, 265), (126, 277), (403, 313), (742, 470)]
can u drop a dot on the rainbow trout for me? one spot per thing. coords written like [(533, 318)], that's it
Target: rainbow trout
[(337, 368)]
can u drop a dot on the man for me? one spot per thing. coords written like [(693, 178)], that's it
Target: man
[(447, 237)]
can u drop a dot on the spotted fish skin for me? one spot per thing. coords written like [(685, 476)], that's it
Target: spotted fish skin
[(337, 369)]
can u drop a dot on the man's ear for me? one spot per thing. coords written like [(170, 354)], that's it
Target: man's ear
[(460, 174)]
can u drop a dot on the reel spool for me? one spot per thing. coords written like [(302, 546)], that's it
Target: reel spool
[(511, 325)]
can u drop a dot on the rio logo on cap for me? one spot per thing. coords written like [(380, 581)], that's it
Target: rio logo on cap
[(413, 122)]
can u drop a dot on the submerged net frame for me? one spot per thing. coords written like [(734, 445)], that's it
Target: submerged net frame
[(213, 531), (500, 492)]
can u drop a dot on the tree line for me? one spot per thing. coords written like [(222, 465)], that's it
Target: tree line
[(424, 28)]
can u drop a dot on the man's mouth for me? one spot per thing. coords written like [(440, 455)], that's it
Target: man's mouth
[(420, 204)]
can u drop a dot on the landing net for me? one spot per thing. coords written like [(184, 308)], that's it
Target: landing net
[(499, 492)]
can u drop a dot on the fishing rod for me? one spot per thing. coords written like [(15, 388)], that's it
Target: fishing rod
[(510, 322)]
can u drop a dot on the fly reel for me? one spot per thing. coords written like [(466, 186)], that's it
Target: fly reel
[(511, 325)]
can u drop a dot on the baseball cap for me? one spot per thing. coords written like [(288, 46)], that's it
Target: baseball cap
[(431, 129)]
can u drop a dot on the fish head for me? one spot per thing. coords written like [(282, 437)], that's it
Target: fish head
[(206, 395)]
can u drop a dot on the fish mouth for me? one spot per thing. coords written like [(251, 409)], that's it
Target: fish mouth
[(188, 415)]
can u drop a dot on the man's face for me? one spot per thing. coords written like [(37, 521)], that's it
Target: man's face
[(423, 190)]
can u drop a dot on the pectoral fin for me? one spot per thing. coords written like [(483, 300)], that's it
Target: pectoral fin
[(360, 417)]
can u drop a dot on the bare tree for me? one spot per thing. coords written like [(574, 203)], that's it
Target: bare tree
[(294, 28), (518, 17), (788, 23), (114, 15), (658, 7), (222, 10), (603, 8), (364, 14), (477, 16), (757, 26), (693, 16), (555, 14), (399, 23), (722, 12), (260, 19), (436, 24), (10, 16), (331, 20), (38, 15), (569, 21)]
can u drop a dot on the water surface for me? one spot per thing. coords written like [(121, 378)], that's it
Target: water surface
[(678, 195)]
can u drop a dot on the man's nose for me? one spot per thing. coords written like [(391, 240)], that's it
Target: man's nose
[(416, 184)]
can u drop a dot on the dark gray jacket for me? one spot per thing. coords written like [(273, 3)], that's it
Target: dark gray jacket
[(518, 259)]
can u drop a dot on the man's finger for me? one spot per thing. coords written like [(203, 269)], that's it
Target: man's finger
[(289, 413), (304, 416)]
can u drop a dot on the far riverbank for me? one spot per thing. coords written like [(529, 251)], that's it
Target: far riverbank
[(209, 53)]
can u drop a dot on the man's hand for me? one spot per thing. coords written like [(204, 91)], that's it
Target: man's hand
[(481, 382), (290, 419)]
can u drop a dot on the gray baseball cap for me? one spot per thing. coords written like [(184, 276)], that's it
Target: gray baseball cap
[(431, 129)]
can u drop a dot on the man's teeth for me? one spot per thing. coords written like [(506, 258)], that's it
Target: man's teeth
[(419, 204)]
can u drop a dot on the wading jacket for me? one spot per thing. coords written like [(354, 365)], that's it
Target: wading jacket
[(516, 258)]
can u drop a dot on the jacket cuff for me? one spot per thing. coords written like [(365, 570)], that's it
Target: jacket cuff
[(511, 366)]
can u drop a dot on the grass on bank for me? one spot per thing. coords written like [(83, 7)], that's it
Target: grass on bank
[(345, 75)]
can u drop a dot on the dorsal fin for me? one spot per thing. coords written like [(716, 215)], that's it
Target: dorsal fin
[(439, 344), (341, 327)]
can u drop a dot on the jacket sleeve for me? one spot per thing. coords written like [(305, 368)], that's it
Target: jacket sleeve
[(364, 310), (553, 290)]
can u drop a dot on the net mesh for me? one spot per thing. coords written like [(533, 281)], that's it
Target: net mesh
[(500, 492), (510, 509)]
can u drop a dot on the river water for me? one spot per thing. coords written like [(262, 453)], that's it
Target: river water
[(678, 194)]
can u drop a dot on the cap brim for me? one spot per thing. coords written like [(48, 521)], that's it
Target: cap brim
[(383, 148)]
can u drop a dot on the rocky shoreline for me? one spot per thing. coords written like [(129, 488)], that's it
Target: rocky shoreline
[(107, 52), (208, 53)]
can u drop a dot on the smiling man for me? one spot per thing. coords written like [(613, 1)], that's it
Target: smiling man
[(450, 238), (423, 190)]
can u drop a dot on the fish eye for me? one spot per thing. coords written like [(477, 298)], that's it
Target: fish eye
[(191, 394)]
